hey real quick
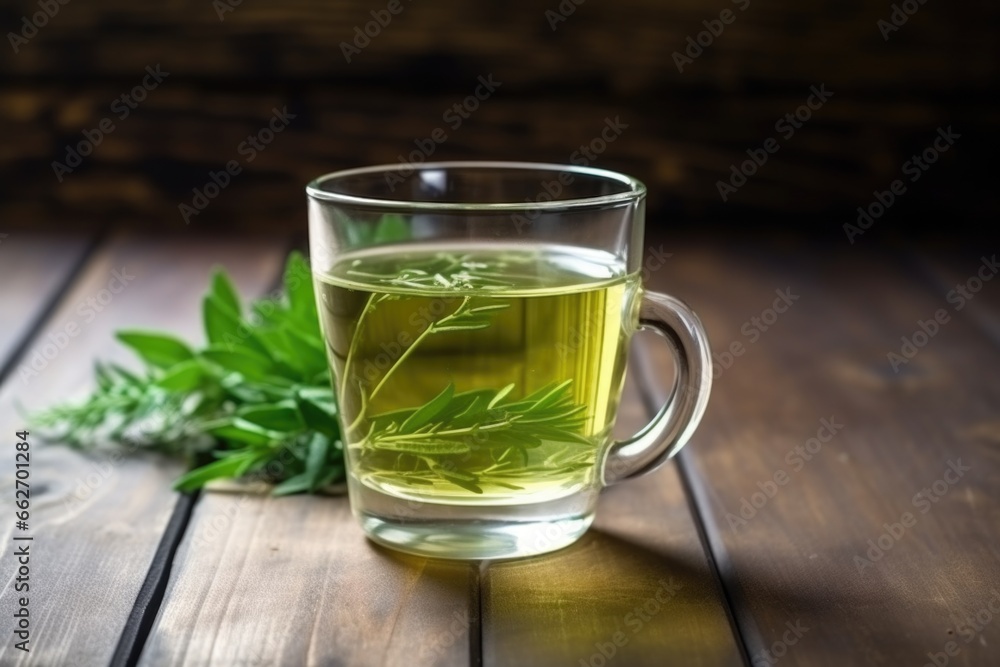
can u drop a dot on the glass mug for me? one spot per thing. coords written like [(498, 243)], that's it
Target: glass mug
[(477, 317)]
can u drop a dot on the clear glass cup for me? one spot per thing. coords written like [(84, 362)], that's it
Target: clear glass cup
[(477, 317)]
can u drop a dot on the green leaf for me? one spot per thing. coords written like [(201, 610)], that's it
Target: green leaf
[(186, 376), (250, 365), (500, 396), (310, 350), (223, 291), (269, 312), (424, 447), (298, 285), (221, 323), (125, 375), (506, 485), (104, 378), (553, 396), (225, 330), (156, 349), (429, 410), (391, 228), (295, 484), (512, 439), (243, 391), (458, 478), (241, 430), (319, 415), (283, 416), (332, 473), (197, 478), (250, 461), (471, 414), (558, 434), (318, 448)]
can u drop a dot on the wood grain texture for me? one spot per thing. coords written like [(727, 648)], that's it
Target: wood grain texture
[(832, 537), (33, 270), (293, 581), (959, 274), (97, 518), (636, 587)]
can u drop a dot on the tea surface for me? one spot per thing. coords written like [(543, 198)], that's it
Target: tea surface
[(476, 373)]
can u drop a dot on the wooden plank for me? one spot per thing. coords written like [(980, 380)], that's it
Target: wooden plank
[(636, 590), (813, 452), (96, 520), (293, 581), (955, 272), (33, 271)]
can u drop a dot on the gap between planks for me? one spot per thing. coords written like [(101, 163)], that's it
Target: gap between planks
[(902, 428), (22, 341), (652, 397), (150, 598)]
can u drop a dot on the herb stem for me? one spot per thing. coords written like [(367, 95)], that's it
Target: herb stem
[(409, 350), (455, 431), (354, 346)]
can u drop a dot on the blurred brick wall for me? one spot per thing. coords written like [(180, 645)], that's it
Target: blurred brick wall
[(687, 111)]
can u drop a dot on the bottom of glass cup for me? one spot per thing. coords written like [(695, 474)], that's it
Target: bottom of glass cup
[(475, 540), (471, 532)]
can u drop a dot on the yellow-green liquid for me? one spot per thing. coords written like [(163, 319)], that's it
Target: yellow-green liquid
[(543, 317)]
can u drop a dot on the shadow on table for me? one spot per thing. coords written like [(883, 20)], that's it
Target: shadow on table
[(599, 596)]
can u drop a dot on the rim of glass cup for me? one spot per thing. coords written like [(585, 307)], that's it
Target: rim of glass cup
[(636, 189)]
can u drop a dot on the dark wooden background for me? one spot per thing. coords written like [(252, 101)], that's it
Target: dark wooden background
[(607, 59)]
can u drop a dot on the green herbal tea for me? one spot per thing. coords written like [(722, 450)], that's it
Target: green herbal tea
[(474, 373)]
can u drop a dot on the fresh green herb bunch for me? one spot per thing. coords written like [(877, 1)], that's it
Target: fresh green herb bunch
[(256, 401)]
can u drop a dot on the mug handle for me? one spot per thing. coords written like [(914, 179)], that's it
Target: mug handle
[(673, 425)]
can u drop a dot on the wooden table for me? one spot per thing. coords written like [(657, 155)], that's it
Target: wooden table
[(829, 511)]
